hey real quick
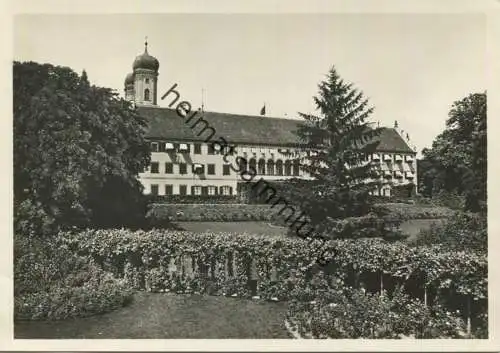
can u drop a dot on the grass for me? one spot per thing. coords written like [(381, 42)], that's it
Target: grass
[(164, 316)]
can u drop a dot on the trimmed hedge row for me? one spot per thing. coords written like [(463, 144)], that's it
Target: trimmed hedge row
[(194, 199), (159, 213), (403, 212), (210, 213)]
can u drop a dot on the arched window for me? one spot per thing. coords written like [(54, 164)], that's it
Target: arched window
[(252, 165), (288, 168), (146, 94), (296, 167), (262, 166), (270, 167), (279, 167)]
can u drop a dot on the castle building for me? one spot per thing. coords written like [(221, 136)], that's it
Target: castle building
[(184, 160)]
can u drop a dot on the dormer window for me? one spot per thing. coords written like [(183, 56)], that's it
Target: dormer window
[(146, 94)]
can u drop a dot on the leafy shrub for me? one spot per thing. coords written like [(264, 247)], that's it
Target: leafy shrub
[(461, 232), (324, 310), (52, 283), (209, 255)]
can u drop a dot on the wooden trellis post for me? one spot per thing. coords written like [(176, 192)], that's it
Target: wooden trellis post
[(469, 325), (382, 283)]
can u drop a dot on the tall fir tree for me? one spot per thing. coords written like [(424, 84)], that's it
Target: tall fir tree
[(338, 143)]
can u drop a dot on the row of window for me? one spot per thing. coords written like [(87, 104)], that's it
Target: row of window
[(262, 167), (182, 168), (195, 190), (181, 147), (391, 158)]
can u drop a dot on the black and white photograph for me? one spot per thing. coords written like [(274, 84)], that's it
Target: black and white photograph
[(296, 177)]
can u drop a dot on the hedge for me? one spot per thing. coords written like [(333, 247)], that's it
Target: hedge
[(211, 213), (261, 212), (247, 265)]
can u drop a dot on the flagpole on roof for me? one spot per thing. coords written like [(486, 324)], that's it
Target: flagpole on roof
[(202, 100)]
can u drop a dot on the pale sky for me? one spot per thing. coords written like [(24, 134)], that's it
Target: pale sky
[(412, 67)]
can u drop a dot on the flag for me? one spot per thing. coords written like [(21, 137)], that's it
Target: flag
[(263, 110)]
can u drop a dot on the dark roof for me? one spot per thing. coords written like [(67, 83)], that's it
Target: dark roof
[(391, 141), (166, 124)]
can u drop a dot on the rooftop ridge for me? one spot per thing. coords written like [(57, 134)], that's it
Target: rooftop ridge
[(223, 113)]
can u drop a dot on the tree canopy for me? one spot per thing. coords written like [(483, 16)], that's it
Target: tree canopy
[(78, 149), (338, 142), (457, 161)]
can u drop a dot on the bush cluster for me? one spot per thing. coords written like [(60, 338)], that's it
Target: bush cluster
[(461, 232), (52, 283), (321, 309)]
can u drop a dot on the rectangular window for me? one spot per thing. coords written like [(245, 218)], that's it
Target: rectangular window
[(210, 149), (226, 190), (183, 148), (226, 170), (169, 168), (154, 189), (196, 190), (197, 148), (169, 189), (210, 169), (182, 168), (212, 190), (154, 147), (198, 168), (155, 167), (182, 189)]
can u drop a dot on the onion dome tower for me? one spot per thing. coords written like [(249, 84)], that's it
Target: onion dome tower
[(141, 85), (129, 87)]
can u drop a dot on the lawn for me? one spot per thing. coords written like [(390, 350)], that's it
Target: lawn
[(163, 316)]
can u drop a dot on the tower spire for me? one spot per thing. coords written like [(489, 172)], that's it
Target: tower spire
[(146, 44)]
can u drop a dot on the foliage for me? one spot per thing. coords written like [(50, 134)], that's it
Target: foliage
[(457, 161), (323, 310), (461, 232), (337, 143), (210, 213), (404, 212), (52, 283), (78, 149), (274, 259)]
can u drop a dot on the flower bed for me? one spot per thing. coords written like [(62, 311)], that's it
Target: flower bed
[(52, 283), (334, 311)]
